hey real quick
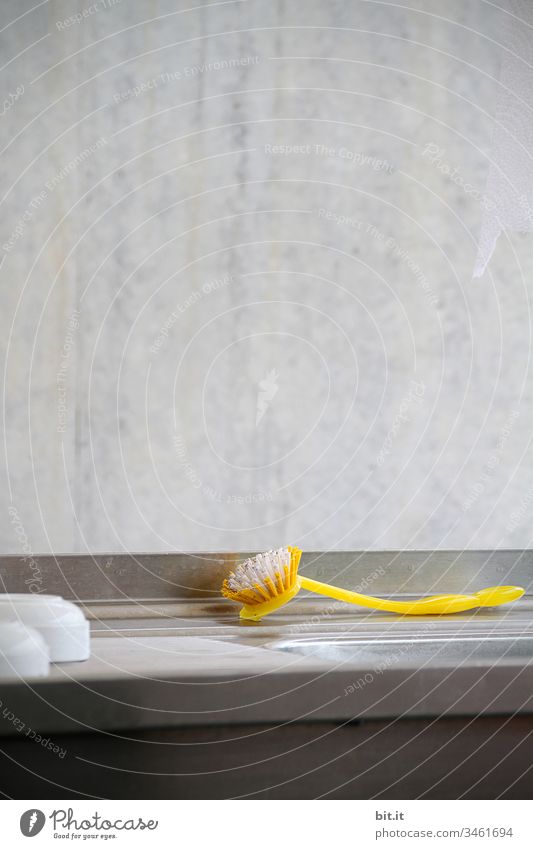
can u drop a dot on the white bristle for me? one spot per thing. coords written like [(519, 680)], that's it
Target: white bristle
[(256, 569)]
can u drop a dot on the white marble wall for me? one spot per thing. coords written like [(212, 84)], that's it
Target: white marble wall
[(237, 305)]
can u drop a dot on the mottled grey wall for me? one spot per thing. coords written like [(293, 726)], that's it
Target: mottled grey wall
[(237, 304)]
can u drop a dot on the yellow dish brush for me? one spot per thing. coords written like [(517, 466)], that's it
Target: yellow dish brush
[(268, 581)]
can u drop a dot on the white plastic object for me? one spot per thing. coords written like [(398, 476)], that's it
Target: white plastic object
[(23, 652), (60, 622)]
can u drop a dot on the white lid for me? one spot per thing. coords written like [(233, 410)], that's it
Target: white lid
[(39, 610), (23, 651), (61, 622)]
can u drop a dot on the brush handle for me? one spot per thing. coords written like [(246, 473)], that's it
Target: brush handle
[(450, 603)]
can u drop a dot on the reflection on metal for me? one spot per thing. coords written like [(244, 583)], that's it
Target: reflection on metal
[(195, 575)]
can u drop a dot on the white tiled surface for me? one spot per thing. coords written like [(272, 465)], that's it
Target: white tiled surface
[(176, 188)]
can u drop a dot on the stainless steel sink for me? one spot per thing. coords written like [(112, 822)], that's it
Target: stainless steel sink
[(412, 651), (483, 637), (154, 617)]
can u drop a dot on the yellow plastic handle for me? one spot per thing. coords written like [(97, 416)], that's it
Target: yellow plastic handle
[(489, 597)]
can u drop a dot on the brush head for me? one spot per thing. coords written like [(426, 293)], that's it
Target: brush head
[(265, 582)]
